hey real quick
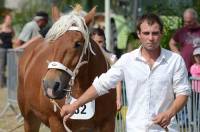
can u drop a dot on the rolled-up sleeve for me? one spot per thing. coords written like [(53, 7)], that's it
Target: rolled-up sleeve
[(109, 79), (180, 81)]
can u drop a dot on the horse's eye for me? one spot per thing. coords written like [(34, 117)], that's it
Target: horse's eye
[(77, 45)]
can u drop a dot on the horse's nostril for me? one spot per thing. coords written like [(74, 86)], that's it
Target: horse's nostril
[(56, 86)]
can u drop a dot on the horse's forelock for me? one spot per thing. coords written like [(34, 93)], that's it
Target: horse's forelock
[(63, 25)]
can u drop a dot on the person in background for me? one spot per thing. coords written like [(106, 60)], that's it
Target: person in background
[(195, 68), (6, 35), (187, 37), (156, 81), (32, 28), (98, 36)]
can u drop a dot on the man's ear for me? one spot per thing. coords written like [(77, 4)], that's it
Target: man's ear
[(138, 34)]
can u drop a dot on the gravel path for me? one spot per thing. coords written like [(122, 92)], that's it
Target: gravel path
[(9, 121)]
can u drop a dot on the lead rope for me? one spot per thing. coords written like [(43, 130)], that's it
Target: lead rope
[(68, 97), (150, 124), (56, 105)]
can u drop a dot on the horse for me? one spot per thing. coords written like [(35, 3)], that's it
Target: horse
[(61, 67)]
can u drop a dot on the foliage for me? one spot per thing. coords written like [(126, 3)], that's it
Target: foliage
[(67, 5), (171, 23)]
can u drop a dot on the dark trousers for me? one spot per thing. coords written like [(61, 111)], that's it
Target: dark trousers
[(3, 67)]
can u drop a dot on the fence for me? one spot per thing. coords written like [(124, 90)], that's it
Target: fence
[(188, 118), (12, 79)]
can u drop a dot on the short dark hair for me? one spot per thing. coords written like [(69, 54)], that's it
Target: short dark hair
[(98, 31), (151, 19), (42, 14)]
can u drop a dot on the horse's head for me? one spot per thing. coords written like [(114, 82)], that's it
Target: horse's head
[(68, 40)]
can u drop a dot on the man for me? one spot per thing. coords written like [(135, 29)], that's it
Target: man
[(32, 29), (152, 76), (98, 36), (187, 37)]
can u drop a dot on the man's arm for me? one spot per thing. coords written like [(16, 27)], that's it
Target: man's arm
[(172, 46), (163, 119), (68, 109), (119, 95), (18, 43)]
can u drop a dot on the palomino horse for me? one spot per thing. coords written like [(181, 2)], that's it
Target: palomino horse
[(63, 65)]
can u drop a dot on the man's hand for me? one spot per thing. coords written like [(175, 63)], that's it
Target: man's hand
[(119, 104), (68, 110), (163, 119)]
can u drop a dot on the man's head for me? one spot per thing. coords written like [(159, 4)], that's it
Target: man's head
[(190, 18), (41, 18), (149, 30), (98, 36)]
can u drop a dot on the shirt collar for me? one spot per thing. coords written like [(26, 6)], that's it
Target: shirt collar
[(162, 57)]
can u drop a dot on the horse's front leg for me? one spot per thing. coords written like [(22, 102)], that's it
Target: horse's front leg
[(56, 125), (31, 123)]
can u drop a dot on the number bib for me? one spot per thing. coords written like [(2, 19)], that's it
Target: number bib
[(84, 112)]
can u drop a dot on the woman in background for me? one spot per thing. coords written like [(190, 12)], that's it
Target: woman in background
[(6, 35)]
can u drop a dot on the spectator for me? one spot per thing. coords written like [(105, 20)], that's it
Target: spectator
[(32, 28), (195, 68), (187, 37), (99, 37), (6, 35), (152, 76)]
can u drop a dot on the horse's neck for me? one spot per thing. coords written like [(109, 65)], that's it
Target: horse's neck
[(98, 61), (96, 65), (106, 56)]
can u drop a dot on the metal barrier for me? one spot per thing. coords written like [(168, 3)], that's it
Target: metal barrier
[(12, 79), (188, 118)]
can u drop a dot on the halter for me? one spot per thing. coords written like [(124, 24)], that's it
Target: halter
[(60, 66), (66, 23)]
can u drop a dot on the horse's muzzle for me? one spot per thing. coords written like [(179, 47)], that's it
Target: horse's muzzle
[(54, 89)]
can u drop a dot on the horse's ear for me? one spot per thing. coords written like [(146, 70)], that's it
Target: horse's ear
[(55, 13), (89, 17)]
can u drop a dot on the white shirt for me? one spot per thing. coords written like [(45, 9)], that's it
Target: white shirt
[(29, 31), (149, 91)]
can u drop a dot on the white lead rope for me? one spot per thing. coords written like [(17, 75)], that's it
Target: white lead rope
[(150, 124), (55, 104)]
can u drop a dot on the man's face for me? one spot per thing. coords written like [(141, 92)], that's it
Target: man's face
[(150, 36), (43, 23), (189, 20), (99, 40)]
